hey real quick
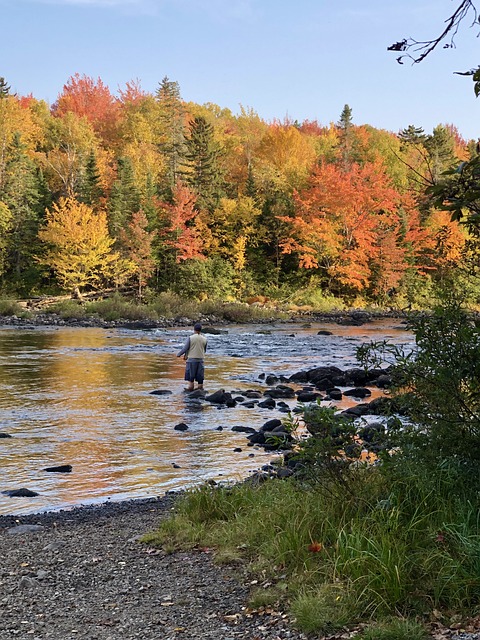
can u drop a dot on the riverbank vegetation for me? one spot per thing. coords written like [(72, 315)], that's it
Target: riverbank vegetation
[(384, 548), (156, 194)]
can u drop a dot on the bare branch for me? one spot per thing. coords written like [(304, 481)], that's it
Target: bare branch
[(420, 50)]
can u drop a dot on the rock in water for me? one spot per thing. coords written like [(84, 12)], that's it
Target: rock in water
[(181, 427), (62, 468), (20, 493)]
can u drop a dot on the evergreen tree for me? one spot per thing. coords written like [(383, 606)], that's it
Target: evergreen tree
[(90, 190), (202, 170), (4, 88), (345, 139), (172, 125), (124, 197), (23, 193), (412, 135)]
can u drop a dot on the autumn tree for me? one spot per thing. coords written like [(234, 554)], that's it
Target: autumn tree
[(177, 232), (78, 247), (69, 141), (91, 99), (338, 221), (137, 243)]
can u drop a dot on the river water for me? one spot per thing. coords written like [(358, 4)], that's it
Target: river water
[(82, 396)]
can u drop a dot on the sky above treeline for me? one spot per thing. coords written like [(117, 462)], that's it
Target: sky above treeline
[(301, 59)]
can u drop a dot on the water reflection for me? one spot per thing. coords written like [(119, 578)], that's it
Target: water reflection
[(83, 397)]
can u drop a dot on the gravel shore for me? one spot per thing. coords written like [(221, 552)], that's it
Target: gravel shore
[(84, 574)]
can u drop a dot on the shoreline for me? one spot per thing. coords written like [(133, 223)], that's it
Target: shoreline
[(87, 513), (353, 317)]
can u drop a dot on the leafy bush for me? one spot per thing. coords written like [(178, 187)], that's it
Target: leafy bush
[(442, 376), (199, 279), (67, 309), (116, 307)]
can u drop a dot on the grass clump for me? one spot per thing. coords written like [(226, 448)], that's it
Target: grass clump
[(395, 629), (400, 544), (118, 308), (67, 309), (10, 307)]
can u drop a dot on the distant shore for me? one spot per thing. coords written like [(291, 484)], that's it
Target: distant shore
[(354, 317)]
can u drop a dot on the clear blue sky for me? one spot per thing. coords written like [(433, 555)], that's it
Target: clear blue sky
[(301, 58)]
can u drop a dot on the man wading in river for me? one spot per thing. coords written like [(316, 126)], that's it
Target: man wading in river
[(194, 352)]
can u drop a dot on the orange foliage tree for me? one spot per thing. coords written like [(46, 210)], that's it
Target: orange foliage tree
[(178, 231), (86, 97), (348, 224)]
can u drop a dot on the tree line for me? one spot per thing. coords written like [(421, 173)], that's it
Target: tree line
[(150, 191)]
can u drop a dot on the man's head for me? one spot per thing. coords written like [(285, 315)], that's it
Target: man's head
[(197, 327)]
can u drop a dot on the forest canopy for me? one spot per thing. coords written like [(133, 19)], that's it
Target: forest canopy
[(147, 191)]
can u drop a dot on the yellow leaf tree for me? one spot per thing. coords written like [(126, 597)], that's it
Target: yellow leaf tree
[(78, 245)]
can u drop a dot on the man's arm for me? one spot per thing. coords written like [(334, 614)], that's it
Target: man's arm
[(185, 348)]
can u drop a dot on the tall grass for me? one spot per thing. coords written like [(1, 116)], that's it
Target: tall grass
[(10, 307), (403, 548)]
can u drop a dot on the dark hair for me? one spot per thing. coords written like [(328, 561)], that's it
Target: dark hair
[(197, 326)]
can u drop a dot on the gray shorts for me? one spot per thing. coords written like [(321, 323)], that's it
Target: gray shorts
[(194, 371)]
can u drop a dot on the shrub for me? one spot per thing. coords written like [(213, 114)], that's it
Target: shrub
[(116, 307), (67, 309), (11, 308)]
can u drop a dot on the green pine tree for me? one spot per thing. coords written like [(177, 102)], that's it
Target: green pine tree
[(90, 190), (124, 198), (172, 130), (4, 88), (202, 172), (345, 137), (24, 195)]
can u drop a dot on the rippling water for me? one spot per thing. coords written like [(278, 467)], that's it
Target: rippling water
[(82, 396)]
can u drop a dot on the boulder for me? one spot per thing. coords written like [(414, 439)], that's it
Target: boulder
[(300, 377), (181, 427), (335, 394), (307, 396), (160, 392), (4, 435), (62, 468), (270, 425), (271, 379), (324, 332), (269, 403), (257, 438), (280, 391), (356, 376), (219, 397), (252, 394), (20, 493), (241, 429), (358, 392), (214, 332), (384, 381)]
